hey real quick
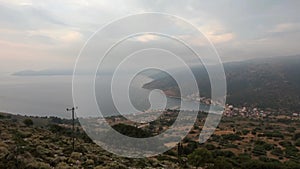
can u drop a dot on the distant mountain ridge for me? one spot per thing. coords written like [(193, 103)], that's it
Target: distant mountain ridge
[(56, 72), (47, 72), (267, 83)]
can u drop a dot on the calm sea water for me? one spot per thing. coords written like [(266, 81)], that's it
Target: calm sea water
[(37, 96), (51, 95)]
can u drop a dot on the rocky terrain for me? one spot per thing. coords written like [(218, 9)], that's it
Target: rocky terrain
[(271, 142), (36, 146)]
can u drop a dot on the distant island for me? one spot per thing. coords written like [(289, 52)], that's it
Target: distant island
[(48, 72)]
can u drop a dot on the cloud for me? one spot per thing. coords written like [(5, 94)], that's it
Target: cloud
[(33, 29), (216, 32), (220, 38), (60, 36), (146, 38), (28, 17), (285, 27)]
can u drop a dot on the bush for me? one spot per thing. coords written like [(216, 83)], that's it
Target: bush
[(245, 132), (297, 143), (210, 146), (266, 159), (41, 151), (231, 137), (296, 136), (222, 163), (265, 145), (38, 165), (274, 134), (217, 153), (231, 146), (200, 157), (277, 152), (285, 144), (89, 162), (131, 131), (243, 157), (3, 152), (191, 146), (76, 155), (259, 150), (261, 165), (292, 165), (63, 165), (28, 122), (291, 129), (291, 151)]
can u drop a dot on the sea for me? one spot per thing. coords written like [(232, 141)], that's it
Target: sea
[(51, 95)]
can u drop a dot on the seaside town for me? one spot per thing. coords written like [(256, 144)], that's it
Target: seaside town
[(254, 112)]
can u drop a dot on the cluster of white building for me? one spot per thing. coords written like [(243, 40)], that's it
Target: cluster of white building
[(230, 111)]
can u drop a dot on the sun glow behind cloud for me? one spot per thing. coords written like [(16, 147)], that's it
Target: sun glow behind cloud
[(146, 38)]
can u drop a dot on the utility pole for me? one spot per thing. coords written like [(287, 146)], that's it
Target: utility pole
[(73, 125)]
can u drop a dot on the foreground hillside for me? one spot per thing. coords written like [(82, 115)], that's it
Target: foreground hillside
[(50, 146), (252, 143)]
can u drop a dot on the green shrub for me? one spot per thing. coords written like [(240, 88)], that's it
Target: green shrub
[(297, 143), (259, 150), (261, 165), (277, 152), (285, 143), (76, 155), (200, 157), (63, 165), (292, 165), (231, 137), (291, 152), (41, 151), (296, 136), (210, 146), (191, 146), (217, 153), (265, 145), (222, 163), (291, 129), (3, 152), (245, 132), (273, 134), (28, 122), (38, 165)]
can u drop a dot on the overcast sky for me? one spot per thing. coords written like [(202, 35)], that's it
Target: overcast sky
[(48, 34)]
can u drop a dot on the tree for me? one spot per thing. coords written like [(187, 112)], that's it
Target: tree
[(297, 143), (28, 122), (296, 136), (191, 146), (179, 149), (200, 157)]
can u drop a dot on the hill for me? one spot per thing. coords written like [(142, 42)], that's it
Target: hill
[(46, 143), (237, 143), (266, 83)]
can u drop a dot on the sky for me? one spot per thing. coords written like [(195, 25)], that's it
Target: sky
[(37, 35)]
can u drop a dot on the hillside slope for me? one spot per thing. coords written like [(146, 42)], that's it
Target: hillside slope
[(267, 83)]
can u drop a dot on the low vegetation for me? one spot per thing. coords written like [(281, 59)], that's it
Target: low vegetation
[(237, 143)]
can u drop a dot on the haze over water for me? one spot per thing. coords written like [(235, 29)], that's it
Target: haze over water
[(51, 95)]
